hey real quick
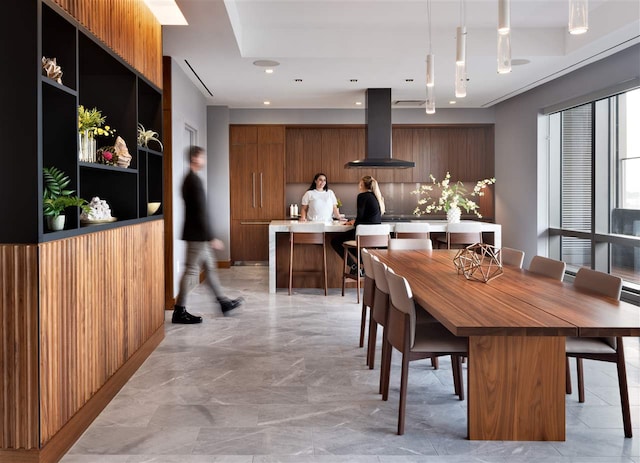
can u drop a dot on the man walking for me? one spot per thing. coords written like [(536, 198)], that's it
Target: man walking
[(200, 243)]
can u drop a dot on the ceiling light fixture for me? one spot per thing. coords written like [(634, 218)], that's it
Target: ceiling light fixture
[(578, 16), (504, 37), (452, 102), (358, 103), (268, 71), (353, 81), (461, 55), (504, 16), (166, 12), (430, 104), (266, 103), (297, 80)]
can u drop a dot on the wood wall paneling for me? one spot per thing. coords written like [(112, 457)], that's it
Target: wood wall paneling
[(101, 298), (19, 347), (128, 27)]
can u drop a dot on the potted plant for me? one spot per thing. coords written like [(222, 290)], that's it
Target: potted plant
[(145, 136), (56, 198), (90, 124)]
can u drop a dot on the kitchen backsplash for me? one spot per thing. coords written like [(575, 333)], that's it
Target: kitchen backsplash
[(397, 196)]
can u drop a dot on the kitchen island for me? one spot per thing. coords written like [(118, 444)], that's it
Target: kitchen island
[(311, 255)]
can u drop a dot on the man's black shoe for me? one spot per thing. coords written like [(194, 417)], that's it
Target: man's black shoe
[(229, 304), (180, 315)]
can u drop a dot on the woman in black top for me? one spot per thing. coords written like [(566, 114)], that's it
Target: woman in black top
[(370, 204)]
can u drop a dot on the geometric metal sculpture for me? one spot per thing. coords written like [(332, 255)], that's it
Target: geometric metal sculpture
[(480, 262)]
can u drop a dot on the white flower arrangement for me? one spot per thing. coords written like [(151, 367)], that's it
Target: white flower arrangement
[(452, 195)]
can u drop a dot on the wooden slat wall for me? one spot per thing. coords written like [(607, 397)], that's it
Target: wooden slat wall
[(101, 298), (18, 346), (127, 27)]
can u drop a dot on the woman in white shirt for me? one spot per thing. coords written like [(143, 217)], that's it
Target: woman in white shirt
[(319, 203)]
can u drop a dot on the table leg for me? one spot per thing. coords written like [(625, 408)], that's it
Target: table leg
[(516, 388)]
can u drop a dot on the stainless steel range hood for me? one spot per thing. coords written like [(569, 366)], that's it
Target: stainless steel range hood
[(378, 134)]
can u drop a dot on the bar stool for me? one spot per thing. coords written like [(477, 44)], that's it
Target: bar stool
[(307, 233), (463, 233), (367, 236), (412, 230)]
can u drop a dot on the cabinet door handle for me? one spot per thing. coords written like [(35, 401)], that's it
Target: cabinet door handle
[(255, 223), (260, 190), (253, 190)]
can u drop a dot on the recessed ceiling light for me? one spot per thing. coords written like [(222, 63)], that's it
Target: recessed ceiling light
[(452, 102), (268, 71), (266, 63), (297, 80), (408, 80), (353, 80), (266, 103), (358, 103)]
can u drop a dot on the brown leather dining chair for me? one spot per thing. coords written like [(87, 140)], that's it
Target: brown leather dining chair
[(367, 293), (606, 349), (307, 234), (415, 341)]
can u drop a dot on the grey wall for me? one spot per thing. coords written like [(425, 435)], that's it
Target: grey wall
[(188, 108), (218, 172), (521, 146)]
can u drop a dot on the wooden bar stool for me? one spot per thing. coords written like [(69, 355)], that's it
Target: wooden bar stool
[(367, 236), (307, 233), (412, 230)]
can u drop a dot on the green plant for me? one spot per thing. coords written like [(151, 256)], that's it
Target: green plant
[(91, 121), (145, 136), (451, 195), (56, 197)]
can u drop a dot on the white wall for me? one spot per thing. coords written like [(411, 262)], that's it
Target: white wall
[(188, 107), (521, 152)]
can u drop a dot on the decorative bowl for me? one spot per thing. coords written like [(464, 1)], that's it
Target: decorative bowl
[(152, 208)]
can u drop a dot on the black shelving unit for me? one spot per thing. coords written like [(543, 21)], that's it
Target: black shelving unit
[(93, 76)]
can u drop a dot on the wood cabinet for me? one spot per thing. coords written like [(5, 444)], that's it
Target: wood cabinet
[(256, 165), (465, 151), (83, 306)]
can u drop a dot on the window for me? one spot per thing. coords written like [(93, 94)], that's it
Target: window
[(595, 186)]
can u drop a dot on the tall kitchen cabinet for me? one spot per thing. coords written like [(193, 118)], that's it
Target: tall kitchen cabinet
[(256, 165), (81, 308)]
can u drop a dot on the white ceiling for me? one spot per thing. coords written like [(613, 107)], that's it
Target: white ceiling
[(381, 44)]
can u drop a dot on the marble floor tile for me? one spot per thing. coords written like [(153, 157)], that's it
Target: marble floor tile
[(282, 380)]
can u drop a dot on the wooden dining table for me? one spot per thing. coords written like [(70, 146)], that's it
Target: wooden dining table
[(516, 324)]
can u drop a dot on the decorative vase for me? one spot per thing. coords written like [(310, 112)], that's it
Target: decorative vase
[(453, 215), (87, 147), (55, 223)]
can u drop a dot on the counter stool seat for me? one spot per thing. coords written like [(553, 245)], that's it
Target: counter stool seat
[(307, 234)]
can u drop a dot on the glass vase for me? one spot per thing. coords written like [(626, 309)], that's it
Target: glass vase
[(87, 147)]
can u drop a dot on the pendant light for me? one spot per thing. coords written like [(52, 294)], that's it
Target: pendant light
[(461, 55), (504, 37), (430, 106), (504, 53), (578, 16)]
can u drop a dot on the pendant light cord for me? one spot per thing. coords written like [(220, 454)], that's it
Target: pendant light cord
[(429, 22)]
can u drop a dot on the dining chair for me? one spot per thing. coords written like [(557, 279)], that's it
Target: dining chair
[(367, 236), (367, 293), (461, 234), (379, 314), (606, 349), (511, 257), (548, 267), (420, 244), (307, 234), (415, 341), (412, 230)]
